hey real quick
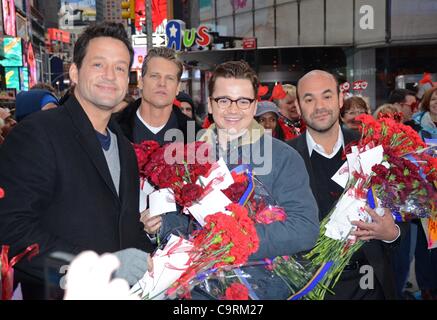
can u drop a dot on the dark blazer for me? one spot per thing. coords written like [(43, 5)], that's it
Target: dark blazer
[(126, 120), (59, 191), (377, 253)]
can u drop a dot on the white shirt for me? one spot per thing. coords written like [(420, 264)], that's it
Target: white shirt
[(155, 130), (313, 146)]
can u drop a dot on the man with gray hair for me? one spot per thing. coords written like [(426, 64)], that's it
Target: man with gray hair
[(152, 115)]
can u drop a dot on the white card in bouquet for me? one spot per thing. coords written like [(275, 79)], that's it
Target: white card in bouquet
[(220, 176), (353, 162), (162, 201), (213, 202), (168, 266), (371, 157), (341, 177), (146, 187), (338, 231)]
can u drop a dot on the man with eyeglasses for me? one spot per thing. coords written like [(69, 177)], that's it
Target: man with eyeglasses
[(239, 139)]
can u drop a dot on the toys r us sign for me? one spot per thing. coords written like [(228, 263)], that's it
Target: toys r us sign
[(178, 35)]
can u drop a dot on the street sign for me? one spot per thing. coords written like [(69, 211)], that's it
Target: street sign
[(158, 40), (249, 43)]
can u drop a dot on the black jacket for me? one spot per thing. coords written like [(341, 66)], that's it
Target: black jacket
[(126, 120), (60, 193), (377, 253)]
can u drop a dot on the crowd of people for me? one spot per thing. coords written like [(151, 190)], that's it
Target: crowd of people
[(71, 178)]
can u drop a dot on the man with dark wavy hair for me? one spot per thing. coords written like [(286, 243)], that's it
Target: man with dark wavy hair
[(238, 139), (70, 174)]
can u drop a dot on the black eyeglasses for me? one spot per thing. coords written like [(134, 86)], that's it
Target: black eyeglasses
[(225, 102)]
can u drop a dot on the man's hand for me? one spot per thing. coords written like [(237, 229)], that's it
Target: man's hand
[(151, 224), (381, 228)]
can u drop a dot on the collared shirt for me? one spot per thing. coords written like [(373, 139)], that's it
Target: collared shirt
[(313, 146)]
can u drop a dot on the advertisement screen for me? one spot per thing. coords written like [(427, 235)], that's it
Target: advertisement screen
[(12, 78), (24, 79), (1, 20), (9, 18), (139, 54), (13, 52), (31, 63), (159, 13)]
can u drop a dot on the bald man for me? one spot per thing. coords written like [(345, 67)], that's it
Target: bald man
[(321, 147)]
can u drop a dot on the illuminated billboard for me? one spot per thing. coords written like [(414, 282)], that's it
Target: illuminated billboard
[(139, 55), (13, 52), (9, 18), (31, 63), (12, 76), (24, 79)]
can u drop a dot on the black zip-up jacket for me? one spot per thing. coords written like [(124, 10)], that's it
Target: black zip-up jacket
[(126, 120)]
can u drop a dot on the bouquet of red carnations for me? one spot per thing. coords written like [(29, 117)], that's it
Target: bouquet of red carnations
[(386, 168), (176, 166)]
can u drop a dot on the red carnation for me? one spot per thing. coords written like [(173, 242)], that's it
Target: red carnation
[(237, 291), (190, 193)]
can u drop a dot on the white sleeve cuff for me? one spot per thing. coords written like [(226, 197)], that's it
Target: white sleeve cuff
[(399, 233)]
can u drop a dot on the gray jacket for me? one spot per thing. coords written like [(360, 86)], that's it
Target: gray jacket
[(282, 171)]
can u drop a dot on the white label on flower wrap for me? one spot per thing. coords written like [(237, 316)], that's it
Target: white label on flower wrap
[(371, 157), (168, 265), (341, 177), (348, 208), (162, 201), (220, 177), (213, 202)]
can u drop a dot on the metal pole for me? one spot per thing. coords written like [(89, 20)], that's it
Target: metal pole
[(149, 24), (50, 69)]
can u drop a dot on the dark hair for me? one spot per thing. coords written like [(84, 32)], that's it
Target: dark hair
[(165, 53), (427, 98), (105, 29), (398, 95), (351, 102), (237, 70)]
